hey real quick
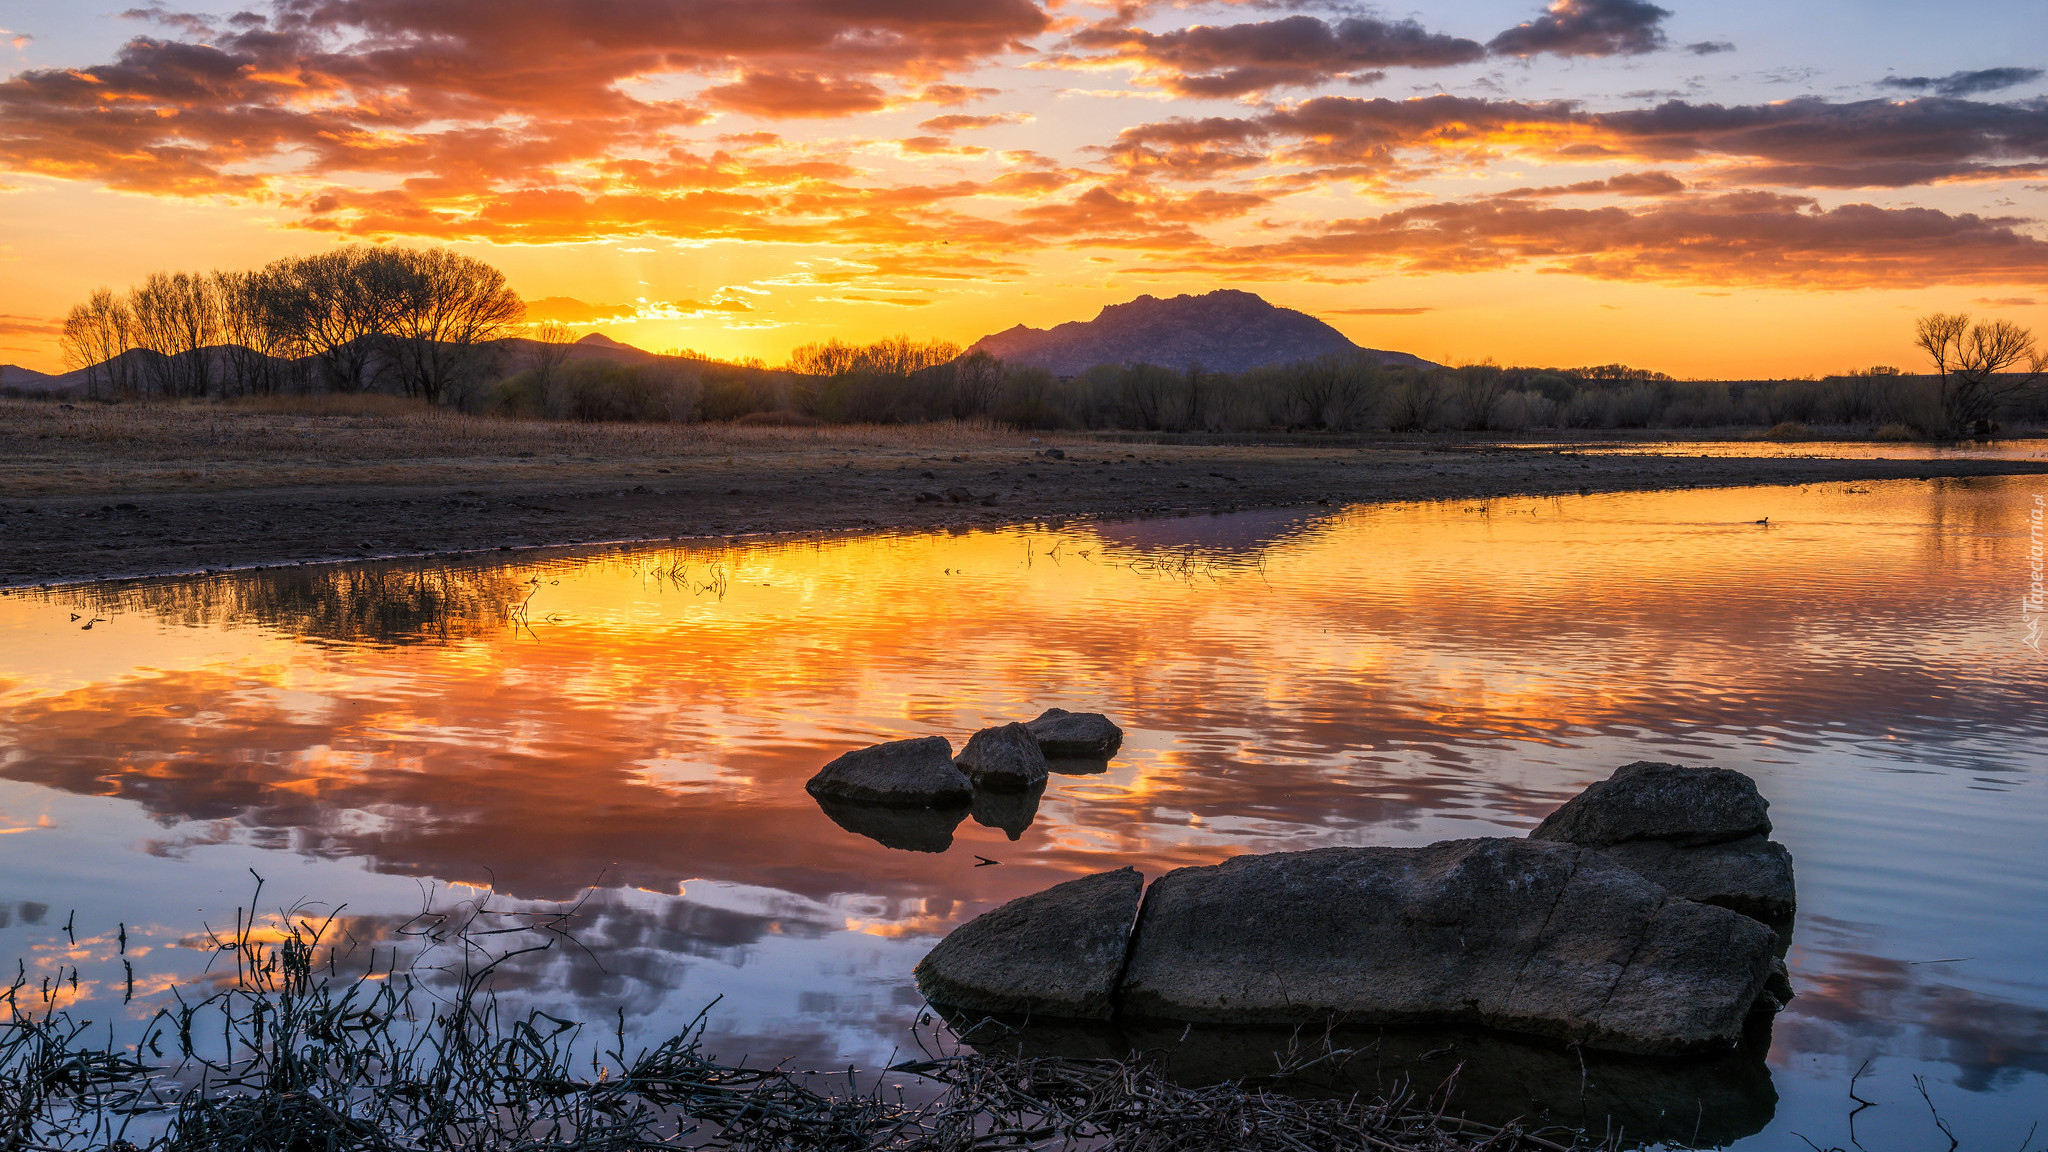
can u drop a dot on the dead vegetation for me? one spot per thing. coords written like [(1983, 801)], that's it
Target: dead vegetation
[(301, 1049), (289, 441)]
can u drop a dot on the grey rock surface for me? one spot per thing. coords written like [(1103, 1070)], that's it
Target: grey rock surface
[(1003, 759), (916, 773), (1064, 735), (1752, 875), (1056, 952), (1669, 802), (1523, 935)]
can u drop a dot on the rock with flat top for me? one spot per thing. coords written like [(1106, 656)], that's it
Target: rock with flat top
[(1667, 802), (1522, 935), (1003, 759), (1064, 735), (1054, 953), (1702, 833), (918, 773)]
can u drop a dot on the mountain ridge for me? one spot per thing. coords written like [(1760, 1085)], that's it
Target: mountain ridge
[(1227, 330)]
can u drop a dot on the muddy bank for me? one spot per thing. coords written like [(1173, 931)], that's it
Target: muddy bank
[(89, 494)]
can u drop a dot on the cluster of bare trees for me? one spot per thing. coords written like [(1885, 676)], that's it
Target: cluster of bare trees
[(895, 380), (344, 320)]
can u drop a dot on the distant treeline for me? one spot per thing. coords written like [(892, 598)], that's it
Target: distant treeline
[(446, 329)]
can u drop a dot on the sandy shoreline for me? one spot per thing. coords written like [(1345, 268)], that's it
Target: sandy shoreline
[(115, 533)]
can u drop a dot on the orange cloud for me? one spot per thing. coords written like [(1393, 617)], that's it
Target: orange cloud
[(1296, 51), (783, 95), (1757, 238)]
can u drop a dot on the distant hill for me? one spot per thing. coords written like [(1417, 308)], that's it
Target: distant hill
[(517, 351), (14, 376), (1223, 331)]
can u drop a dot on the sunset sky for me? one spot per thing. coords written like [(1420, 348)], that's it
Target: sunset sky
[(1732, 189)]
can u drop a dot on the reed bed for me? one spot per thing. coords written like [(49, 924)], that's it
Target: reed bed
[(290, 1053)]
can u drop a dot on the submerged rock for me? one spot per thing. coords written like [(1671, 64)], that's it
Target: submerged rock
[(1521, 935), (1064, 735), (1667, 802), (1003, 759), (1010, 812), (893, 826), (1056, 952), (916, 772)]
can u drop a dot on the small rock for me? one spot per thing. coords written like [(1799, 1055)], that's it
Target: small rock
[(1065, 735), (1651, 801), (1005, 759), (1056, 952), (959, 495), (906, 772), (1055, 454)]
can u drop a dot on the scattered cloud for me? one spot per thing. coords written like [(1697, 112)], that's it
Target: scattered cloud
[(958, 122), (898, 301), (1293, 52), (1749, 238), (1964, 83), (788, 95), (1709, 47), (1587, 28), (569, 310), (29, 326), (2006, 301), (1806, 142)]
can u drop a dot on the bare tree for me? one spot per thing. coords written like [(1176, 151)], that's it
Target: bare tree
[(977, 383), (1482, 390), (336, 306), (96, 333), (256, 355), (1977, 365), (552, 342), (176, 315), (446, 309)]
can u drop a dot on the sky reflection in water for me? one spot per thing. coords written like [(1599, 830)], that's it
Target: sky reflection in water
[(640, 723)]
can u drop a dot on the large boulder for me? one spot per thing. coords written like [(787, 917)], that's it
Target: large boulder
[(913, 773), (1064, 735), (1522, 935), (1699, 832), (1056, 952), (1003, 759), (1668, 802)]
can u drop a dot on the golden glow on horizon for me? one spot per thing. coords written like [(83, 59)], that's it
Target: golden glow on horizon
[(743, 179)]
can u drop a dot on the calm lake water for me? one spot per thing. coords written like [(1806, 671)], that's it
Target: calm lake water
[(632, 729)]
